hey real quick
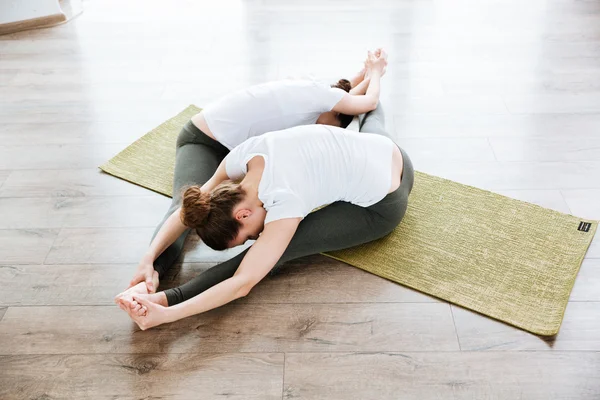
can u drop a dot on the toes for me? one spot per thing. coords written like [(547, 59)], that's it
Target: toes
[(121, 304), (119, 297)]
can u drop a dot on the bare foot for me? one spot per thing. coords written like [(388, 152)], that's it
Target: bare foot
[(140, 288), (126, 302), (135, 308)]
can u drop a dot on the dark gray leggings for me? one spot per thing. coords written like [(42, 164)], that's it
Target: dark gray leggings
[(339, 225)]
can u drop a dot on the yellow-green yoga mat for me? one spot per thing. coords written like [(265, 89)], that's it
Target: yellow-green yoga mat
[(501, 257)]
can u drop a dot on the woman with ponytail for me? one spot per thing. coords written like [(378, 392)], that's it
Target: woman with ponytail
[(206, 140)]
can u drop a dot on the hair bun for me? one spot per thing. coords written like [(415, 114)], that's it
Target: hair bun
[(343, 84), (195, 207)]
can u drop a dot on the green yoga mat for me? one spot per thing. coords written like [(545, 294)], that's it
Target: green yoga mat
[(510, 260)]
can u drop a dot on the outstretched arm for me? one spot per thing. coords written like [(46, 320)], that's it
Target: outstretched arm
[(260, 259), (361, 88), (358, 78), (352, 104), (219, 176), (172, 229)]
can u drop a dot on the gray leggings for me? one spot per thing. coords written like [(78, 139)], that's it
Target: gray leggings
[(339, 225)]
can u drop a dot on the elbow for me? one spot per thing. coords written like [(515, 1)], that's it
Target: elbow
[(370, 103), (374, 103), (244, 290)]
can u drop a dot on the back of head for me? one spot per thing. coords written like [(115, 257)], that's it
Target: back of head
[(211, 214), (343, 84), (344, 119)]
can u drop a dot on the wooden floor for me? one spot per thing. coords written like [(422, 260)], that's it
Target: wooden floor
[(503, 95)]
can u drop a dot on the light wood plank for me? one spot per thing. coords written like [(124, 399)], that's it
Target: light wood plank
[(127, 376), (584, 202), (67, 183), (3, 176), (63, 284), (427, 150), (149, 80), (518, 176), (313, 280), (587, 282), (447, 105), (553, 103), (49, 156), (466, 375), (88, 212), (114, 110), (126, 47), (37, 59), (100, 245), (546, 83), (580, 126), (91, 91), (580, 331), (232, 328), (74, 132), (546, 149), (151, 75), (594, 250), (7, 75), (25, 246)]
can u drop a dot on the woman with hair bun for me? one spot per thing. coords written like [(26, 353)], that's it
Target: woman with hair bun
[(266, 189), (210, 135)]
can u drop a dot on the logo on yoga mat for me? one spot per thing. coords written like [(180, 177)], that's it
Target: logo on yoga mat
[(584, 226)]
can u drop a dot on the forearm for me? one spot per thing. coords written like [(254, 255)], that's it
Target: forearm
[(361, 88), (210, 185), (256, 264), (374, 85), (219, 176), (358, 78), (218, 295), (166, 236)]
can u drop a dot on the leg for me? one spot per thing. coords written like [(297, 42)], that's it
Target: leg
[(197, 158), (337, 226), (374, 122)]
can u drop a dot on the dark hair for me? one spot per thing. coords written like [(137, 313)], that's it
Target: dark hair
[(343, 84), (211, 214), (344, 119)]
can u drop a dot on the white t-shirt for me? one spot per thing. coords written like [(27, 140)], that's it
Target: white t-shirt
[(310, 166), (271, 106)]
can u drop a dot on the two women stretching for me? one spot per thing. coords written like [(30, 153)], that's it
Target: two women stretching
[(364, 179)]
